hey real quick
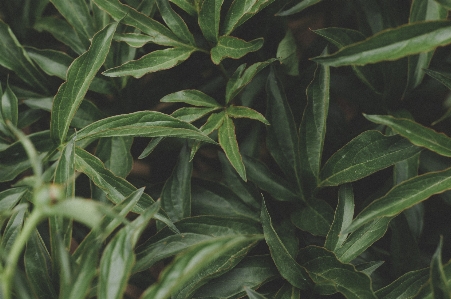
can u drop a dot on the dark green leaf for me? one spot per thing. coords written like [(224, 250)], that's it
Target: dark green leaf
[(65, 169), (192, 97), (439, 282), (153, 62), (14, 57), (245, 112), (367, 153), (150, 147), (72, 92), (209, 18), (10, 197), (407, 286), (240, 11), (287, 266), (133, 39), (253, 294), (83, 210), (324, 267), (9, 106), (440, 76), (445, 3), (241, 78), (316, 218), (175, 22), (228, 142), (300, 6), (288, 292), (392, 44), (12, 230), (186, 5), (109, 149), (142, 123), (288, 55), (233, 47)]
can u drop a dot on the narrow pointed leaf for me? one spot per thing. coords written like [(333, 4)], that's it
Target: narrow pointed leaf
[(9, 106), (342, 219), (392, 44), (134, 40), (240, 11), (209, 18), (440, 76), (324, 267), (76, 12), (192, 97), (313, 128), (228, 142), (12, 230), (406, 286), (253, 294), (72, 92), (245, 112), (142, 123), (287, 266), (403, 196), (187, 265), (233, 47), (445, 3), (316, 217), (153, 62), (190, 114), (287, 54), (109, 149), (63, 32), (213, 122), (439, 282), (187, 5), (150, 147), (416, 133), (65, 169), (9, 198), (282, 136), (367, 153), (300, 6), (120, 12), (14, 58), (175, 22)]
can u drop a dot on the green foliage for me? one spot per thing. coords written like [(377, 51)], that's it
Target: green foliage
[(220, 149)]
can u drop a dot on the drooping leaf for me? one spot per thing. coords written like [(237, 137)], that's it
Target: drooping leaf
[(367, 153), (316, 217), (233, 47), (439, 282), (241, 78), (175, 22), (228, 142), (324, 267), (14, 57), (153, 62), (9, 106), (142, 123), (192, 97), (120, 12), (72, 92), (300, 6), (209, 18), (287, 266), (404, 196), (241, 11), (392, 44)]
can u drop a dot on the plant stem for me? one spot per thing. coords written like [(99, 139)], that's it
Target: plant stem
[(16, 250)]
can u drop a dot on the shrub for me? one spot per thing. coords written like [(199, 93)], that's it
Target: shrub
[(219, 149)]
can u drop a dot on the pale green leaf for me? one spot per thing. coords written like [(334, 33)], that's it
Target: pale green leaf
[(228, 142), (192, 97), (445, 3), (190, 114), (245, 112), (152, 62), (85, 211), (65, 169), (79, 76), (135, 40), (9, 106), (233, 47), (392, 44), (209, 18), (175, 22)]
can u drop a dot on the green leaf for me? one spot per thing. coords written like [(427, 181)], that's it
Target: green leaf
[(342, 219), (439, 282), (233, 47), (160, 34), (403, 196), (65, 169), (245, 112), (12, 230), (209, 18), (63, 32), (118, 257), (142, 123), (10, 197), (193, 261), (241, 78), (367, 153), (392, 44), (77, 15), (72, 92), (253, 294), (440, 76), (85, 211), (37, 267), (187, 5), (312, 131), (445, 3), (287, 266), (300, 6), (406, 286), (316, 218), (191, 97), (9, 106), (108, 149), (266, 180), (287, 54), (324, 267), (282, 137), (176, 193), (14, 57), (240, 11), (134, 40), (190, 114), (175, 22), (152, 62), (228, 142), (150, 147), (211, 198), (115, 187), (193, 230), (416, 133)]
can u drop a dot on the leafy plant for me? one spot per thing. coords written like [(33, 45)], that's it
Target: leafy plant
[(225, 149)]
